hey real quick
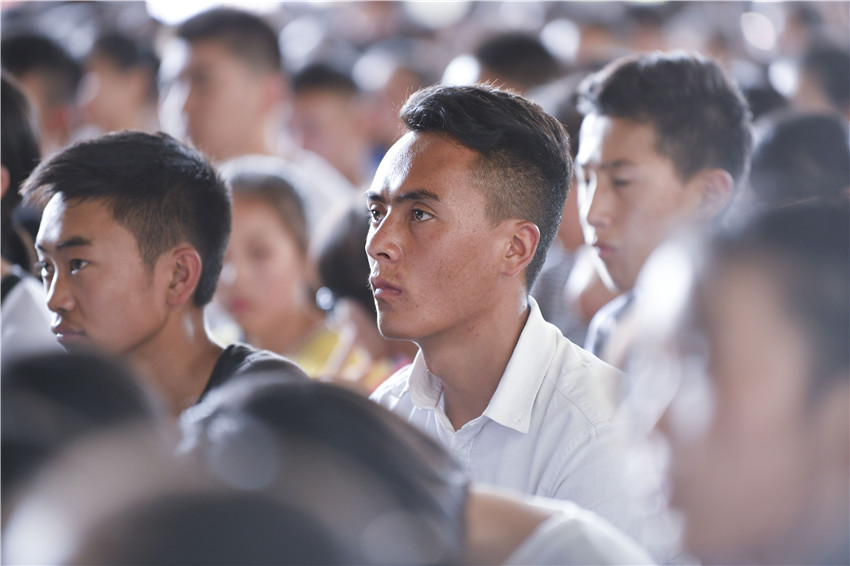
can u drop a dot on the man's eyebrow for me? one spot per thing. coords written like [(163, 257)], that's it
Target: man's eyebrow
[(418, 194), (72, 242)]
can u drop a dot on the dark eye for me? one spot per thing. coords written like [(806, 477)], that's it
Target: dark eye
[(44, 269), (376, 214), (420, 215), (77, 264)]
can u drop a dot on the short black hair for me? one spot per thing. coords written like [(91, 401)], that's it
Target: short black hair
[(525, 165), (518, 58), (324, 77), (159, 189), (27, 52), (801, 157), (700, 117), (245, 35)]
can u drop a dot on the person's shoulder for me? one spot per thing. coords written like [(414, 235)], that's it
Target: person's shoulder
[(241, 359), (393, 388)]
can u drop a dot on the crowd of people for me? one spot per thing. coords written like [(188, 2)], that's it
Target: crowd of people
[(534, 283)]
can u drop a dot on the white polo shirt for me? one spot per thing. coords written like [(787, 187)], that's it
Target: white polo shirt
[(550, 428)]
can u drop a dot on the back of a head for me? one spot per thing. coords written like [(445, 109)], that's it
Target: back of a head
[(323, 77), (829, 67), (19, 152), (801, 157), (700, 117), (417, 479), (225, 527), (341, 260), (53, 400), (517, 59), (525, 166), (806, 248), (244, 34), (160, 190), (25, 53)]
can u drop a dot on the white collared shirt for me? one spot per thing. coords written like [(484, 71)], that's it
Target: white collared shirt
[(550, 428)]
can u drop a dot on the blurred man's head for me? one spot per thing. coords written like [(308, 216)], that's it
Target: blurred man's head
[(223, 83), (665, 140)]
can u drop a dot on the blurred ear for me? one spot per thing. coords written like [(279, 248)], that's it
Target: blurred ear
[(715, 189), (523, 238), (184, 264)]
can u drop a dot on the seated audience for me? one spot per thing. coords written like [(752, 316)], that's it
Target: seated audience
[(268, 285), (130, 246), (464, 207), (328, 118), (798, 158), (119, 89), (26, 320), (664, 143), (755, 334), (49, 76)]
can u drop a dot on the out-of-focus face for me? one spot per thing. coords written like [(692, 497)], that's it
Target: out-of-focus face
[(110, 97), (740, 432), (264, 276), (213, 98), (99, 289), (330, 124), (630, 197), (433, 253)]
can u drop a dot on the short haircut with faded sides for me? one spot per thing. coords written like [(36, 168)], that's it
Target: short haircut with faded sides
[(700, 117), (163, 192), (524, 166), (245, 35)]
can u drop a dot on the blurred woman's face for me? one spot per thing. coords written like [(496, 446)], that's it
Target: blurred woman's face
[(740, 475), (264, 276)]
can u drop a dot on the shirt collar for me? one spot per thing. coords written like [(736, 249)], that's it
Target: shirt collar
[(513, 399)]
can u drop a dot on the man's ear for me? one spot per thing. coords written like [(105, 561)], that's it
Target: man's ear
[(184, 273), (524, 236), (715, 189), (5, 180)]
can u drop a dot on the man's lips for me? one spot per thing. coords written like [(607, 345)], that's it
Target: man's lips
[(65, 333), (604, 250), (383, 288)]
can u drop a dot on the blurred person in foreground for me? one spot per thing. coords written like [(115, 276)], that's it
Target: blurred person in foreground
[(130, 247), (751, 331), (463, 208), (665, 141)]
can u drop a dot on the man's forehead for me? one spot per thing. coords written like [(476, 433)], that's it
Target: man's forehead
[(62, 216)]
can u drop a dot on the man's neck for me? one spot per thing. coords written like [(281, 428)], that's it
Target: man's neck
[(470, 363), (178, 361)]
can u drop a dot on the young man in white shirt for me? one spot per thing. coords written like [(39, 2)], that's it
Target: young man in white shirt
[(464, 207)]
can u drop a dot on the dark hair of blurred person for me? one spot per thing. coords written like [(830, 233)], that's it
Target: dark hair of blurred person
[(761, 452), (26, 319), (328, 118), (823, 80), (131, 246), (515, 61), (19, 151), (50, 401), (119, 90), (362, 355), (317, 444), (50, 77), (799, 157)]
